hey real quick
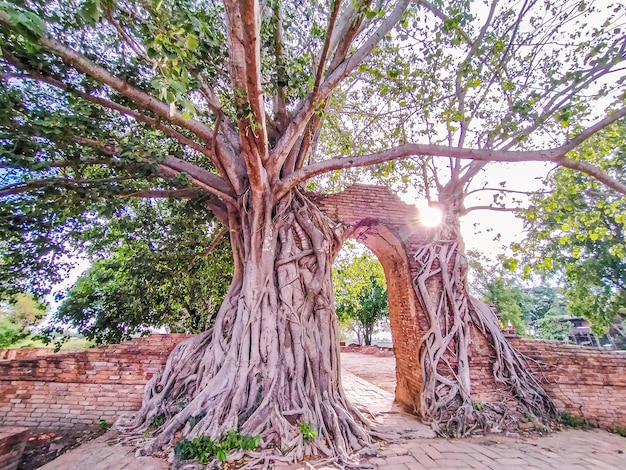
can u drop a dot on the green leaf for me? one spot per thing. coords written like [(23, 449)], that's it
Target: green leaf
[(192, 42), (92, 10)]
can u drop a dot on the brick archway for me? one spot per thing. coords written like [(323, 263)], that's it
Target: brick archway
[(390, 228)]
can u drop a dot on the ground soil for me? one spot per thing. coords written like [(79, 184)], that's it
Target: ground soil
[(380, 371)]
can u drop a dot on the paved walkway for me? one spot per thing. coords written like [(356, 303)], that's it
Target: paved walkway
[(564, 450), (417, 451), (100, 455)]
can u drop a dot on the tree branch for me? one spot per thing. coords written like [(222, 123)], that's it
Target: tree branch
[(214, 243), (201, 178), (198, 176), (598, 126), (137, 96), (507, 191), (332, 19), (491, 208), (151, 121), (280, 109), (243, 28), (556, 155), (306, 108), (25, 187), (164, 193)]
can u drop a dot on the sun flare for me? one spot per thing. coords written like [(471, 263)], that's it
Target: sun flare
[(429, 216)]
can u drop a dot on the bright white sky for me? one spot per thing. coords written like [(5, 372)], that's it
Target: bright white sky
[(480, 228)]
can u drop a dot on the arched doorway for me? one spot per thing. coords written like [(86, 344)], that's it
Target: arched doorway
[(377, 218)]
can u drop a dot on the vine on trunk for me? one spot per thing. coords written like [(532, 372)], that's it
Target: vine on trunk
[(446, 399), (271, 362)]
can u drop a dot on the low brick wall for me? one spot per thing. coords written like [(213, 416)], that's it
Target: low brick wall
[(24, 353), (12, 444), (584, 381), (79, 388)]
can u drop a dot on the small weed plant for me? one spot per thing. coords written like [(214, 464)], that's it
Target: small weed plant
[(573, 421), (205, 449), (104, 425), (619, 430), (157, 421), (308, 433)]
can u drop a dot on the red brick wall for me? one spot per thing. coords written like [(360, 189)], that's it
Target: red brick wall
[(79, 388), (584, 381)]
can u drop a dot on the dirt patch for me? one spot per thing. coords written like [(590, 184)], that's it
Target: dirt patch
[(42, 448), (379, 370)]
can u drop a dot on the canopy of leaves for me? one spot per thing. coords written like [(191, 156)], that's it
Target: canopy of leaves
[(508, 300), (488, 75), (147, 75), (102, 101), (577, 231), (151, 269)]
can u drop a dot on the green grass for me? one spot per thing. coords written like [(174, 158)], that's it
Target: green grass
[(619, 430), (77, 343), (204, 448)]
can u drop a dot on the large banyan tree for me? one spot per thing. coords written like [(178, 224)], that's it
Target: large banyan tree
[(239, 105)]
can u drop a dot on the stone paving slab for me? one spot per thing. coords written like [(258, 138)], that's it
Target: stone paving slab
[(100, 454), (418, 450)]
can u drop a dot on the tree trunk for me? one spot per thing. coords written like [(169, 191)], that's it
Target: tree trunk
[(359, 337), (452, 316), (368, 335), (271, 361)]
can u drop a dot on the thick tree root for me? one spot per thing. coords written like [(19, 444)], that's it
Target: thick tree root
[(446, 398), (271, 362)]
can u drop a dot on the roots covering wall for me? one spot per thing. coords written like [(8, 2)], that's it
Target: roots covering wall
[(82, 387)]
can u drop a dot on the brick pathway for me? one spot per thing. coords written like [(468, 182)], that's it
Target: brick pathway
[(565, 450), (417, 451)]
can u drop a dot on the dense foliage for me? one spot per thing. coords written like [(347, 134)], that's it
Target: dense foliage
[(577, 232), (155, 264), (17, 316)]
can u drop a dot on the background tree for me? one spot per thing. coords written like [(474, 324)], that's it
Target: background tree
[(242, 103), (374, 307), (577, 232), (155, 264), (553, 327), (360, 293), (17, 316), (532, 309), (508, 299)]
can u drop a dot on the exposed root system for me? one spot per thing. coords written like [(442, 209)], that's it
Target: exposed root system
[(271, 361), (453, 316)]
